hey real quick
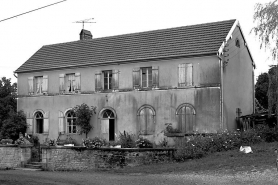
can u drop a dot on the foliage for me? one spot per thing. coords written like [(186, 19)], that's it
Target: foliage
[(126, 140), (33, 139), (94, 143), (261, 89), (12, 126), (143, 143), (6, 141), (163, 143), (267, 25), (169, 129), (199, 146), (7, 99), (84, 113)]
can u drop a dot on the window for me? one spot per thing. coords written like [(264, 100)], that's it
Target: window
[(39, 122), (237, 43), (108, 124), (146, 116), (69, 83), (185, 75), (145, 77), (107, 78), (186, 118), (38, 85), (71, 122)]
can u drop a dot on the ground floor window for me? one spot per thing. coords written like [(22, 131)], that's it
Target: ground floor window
[(186, 118), (146, 120), (39, 122), (71, 122)]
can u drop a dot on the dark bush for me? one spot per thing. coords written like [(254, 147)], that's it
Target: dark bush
[(126, 140)]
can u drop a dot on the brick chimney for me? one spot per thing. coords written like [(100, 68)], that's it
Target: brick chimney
[(85, 35)]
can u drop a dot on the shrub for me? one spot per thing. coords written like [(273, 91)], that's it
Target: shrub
[(12, 126), (169, 129), (126, 140), (143, 143), (94, 143)]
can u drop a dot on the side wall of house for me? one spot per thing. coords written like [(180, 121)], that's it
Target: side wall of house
[(204, 96), (238, 80)]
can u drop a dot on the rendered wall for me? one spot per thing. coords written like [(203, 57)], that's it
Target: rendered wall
[(204, 96), (238, 81)]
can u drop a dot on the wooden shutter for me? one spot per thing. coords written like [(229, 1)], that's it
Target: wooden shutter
[(77, 81), (136, 78), (62, 83), (105, 126), (29, 121), (31, 85), (155, 78), (181, 77), (61, 126), (150, 121), (142, 122), (189, 75), (98, 85), (115, 79), (46, 123), (45, 84)]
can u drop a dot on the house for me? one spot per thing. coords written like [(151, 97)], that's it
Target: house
[(199, 78)]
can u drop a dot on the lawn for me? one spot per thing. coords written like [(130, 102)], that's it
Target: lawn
[(233, 161)]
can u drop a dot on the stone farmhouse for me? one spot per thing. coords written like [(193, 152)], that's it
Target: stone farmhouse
[(198, 78)]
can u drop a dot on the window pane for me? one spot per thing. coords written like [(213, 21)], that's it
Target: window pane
[(144, 77)]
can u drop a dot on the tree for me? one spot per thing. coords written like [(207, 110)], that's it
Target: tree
[(12, 126), (83, 116), (266, 16), (261, 89), (7, 98)]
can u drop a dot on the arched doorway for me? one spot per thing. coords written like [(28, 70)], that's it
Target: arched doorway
[(108, 124), (39, 122)]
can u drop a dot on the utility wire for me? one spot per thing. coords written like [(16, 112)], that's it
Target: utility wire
[(31, 11)]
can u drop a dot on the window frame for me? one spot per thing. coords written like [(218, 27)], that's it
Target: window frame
[(40, 89), (184, 125), (41, 118), (109, 78), (72, 124), (148, 77), (146, 124)]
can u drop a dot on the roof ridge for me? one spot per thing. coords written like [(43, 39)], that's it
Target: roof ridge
[(137, 33)]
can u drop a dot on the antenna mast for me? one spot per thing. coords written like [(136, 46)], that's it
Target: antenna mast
[(85, 21)]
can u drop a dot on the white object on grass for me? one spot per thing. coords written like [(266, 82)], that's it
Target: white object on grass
[(245, 149)]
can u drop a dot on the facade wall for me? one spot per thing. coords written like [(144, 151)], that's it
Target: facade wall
[(238, 81), (204, 96)]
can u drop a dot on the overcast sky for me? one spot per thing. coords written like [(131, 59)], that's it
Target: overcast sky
[(22, 36)]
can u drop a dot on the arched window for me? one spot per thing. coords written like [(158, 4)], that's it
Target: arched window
[(108, 114), (186, 118), (146, 115), (108, 123), (237, 43), (71, 122), (39, 122)]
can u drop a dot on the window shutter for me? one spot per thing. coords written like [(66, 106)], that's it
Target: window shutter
[(136, 78), (150, 121), (115, 79), (155, 78), (45, 84), (98, 85), (77, 81), (142, 123), (61, 126), (46, 123), (189, 75), (31, 85), (105, 126), (181, 75), (29, 121), (62, 83)]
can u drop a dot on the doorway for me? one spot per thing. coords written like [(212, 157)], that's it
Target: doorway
[(108, 125)]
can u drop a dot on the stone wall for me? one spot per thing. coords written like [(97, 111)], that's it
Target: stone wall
[(13, 156), (80, 158)]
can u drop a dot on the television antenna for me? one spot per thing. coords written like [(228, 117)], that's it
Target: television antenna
[(85, 21)]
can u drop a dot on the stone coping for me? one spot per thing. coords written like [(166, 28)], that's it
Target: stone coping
[(109, 149), (15, 145)]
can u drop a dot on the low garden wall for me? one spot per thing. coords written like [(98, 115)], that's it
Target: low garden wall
[(13, 156), (81, 158)]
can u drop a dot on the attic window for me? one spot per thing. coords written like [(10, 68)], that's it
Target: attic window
[(237, 43)]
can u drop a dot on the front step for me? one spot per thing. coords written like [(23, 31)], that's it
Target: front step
[(28, 169), (34, 166)]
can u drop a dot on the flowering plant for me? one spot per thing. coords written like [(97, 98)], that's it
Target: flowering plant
[(143, 143), (94, 143)]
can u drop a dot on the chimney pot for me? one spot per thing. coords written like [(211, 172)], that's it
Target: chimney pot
[(85, 35)]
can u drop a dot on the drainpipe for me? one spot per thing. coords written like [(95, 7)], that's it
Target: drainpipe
[(221, 93), (16, 92)]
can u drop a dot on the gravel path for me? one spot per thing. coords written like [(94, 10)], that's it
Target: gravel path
[(18, 177)]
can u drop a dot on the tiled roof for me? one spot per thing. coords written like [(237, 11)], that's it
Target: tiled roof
[(172, 42)]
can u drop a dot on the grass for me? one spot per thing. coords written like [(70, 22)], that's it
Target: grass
[(263, 157)]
